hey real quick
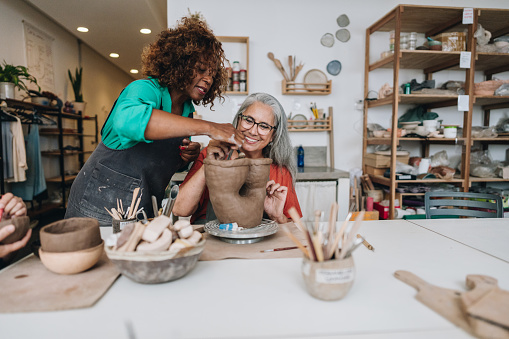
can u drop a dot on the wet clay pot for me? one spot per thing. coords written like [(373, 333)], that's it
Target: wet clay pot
[(237, 189), (21, 224), (70, 235)]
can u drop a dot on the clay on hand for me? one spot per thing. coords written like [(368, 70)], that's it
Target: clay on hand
[(237, 189)]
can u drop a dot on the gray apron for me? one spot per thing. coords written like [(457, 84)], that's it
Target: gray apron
[(111, 174)]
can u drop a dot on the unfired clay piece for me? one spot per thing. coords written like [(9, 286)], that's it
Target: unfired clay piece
[(21, 224), (69, 235), (237, 189)]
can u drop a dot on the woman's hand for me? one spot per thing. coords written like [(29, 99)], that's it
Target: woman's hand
[(228, 134), (219, 150), (9, 248), (275, 201), (12, 206), (189, 150)]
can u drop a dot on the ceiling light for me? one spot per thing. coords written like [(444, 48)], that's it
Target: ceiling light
[(82, 29), (114, 55), (134, 71), (145, 31)]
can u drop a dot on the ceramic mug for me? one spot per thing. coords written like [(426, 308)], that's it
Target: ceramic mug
[(330, 279), (430, 125)]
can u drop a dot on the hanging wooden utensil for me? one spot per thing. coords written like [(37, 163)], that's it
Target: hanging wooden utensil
[(278, 65)]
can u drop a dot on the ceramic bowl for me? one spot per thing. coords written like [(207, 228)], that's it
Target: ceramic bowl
[(71, 262), (70, 235), (156, 267), (21, 224), (379, 134)]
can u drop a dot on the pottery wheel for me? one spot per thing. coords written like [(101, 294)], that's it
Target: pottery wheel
[(244, 236)]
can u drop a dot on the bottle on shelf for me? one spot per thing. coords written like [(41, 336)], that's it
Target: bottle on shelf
[(300, 156)]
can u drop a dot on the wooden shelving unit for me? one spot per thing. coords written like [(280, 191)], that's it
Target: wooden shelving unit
[(432, 20)]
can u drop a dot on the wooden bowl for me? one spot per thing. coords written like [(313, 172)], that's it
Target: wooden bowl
[(70, 235), (156, 267), (21, 224), (71, 262)]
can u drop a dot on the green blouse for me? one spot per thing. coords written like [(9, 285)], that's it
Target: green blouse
[(126, 124)]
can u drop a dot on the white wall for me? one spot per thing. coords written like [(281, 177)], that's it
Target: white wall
[(294, 27), (102, 81)]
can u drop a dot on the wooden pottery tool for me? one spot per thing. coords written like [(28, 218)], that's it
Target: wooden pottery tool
[(486, 307), (297, 70), (278, 65), (444, 301), (290, 64)]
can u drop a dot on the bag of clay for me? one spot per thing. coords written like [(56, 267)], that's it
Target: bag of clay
[(481, 164), (417, 113), (484, 132), (502, 90), (439, 159), (503, 124)]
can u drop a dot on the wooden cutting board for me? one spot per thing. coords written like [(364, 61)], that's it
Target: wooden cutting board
[(27, 286), (444, 301), (487, 307)]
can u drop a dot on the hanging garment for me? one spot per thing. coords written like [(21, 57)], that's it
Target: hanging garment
[(7, 149), (35, 183), (19, 159)]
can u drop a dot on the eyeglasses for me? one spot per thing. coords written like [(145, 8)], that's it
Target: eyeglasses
[(247, 122)]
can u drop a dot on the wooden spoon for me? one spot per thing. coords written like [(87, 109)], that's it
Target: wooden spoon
[(290, 64), (278, 65)]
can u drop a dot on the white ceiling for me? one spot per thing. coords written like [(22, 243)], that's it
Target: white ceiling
[(114, 25)]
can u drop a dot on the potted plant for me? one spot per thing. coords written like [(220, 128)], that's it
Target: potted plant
[(12, 77), (79, 104)]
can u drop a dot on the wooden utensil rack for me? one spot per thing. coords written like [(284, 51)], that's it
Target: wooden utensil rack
[(297, 88), (318, 125)]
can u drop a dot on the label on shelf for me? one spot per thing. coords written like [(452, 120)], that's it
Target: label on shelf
[(463, 103), (465, 59), (468, 16)]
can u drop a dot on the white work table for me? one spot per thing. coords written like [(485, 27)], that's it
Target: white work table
[(490, 236), (267, 298)]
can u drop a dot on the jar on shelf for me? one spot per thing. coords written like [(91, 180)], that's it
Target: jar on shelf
[(242, 85), (236, 66), (236, 76), (236, 86), (242, 75)]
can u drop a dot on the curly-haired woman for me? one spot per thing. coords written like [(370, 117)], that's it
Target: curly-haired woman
[(145, 138)]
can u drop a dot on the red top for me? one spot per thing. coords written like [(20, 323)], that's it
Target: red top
[(280, 175)]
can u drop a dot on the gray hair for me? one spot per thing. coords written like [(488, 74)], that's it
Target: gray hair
[(280, 150)]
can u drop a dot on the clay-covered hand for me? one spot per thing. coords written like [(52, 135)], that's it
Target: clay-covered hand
[(9, 248), (12, 206), (219, 150), (227, 133), (189, 150), (275, 201)]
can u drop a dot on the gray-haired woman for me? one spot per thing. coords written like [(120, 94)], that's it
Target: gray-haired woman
[(262, 121)]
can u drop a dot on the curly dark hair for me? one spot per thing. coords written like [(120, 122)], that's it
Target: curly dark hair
[(173, 59)]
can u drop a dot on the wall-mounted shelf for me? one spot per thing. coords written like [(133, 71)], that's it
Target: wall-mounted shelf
[(296, 88), (235, 48)]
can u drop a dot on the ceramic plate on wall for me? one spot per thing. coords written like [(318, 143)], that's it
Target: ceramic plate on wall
[(327, 40), (343, 35), (297, 124), (314, 76), (343, 20), (334, 67)]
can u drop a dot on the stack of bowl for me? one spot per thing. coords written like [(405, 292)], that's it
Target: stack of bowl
[(71, 246)]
